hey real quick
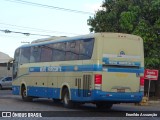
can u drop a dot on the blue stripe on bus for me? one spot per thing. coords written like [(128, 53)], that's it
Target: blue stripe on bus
[(108, 62), (82, 68), (34, 69), (43, 92), (16, 90), (36, 91), (81, 95), (75, 68), (105, 60), (126, 70), (98, 95), (78, 68)]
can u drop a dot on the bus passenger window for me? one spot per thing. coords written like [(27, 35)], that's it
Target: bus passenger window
[(16, 55), (86, 49), (46, 54), (72, 50), (59, 52), (25, 55), (35, 54)]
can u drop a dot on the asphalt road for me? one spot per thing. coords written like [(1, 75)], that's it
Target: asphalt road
[(15, 104)]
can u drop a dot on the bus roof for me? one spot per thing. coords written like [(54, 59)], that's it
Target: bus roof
[(46, 41), (60, 39)]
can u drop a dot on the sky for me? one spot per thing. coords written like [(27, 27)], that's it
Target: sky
[(29, 18)]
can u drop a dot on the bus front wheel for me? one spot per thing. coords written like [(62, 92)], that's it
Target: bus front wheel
[(24, 95), (66, 99)]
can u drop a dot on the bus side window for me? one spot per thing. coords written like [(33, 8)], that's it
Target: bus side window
[(59, 52), (15, 63), (86, 49), (25, 55), (46, 54), (35, 54), (16, 55), (72, 50)]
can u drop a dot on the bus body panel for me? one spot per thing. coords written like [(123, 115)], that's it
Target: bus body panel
[(117, 57), (122, 57)]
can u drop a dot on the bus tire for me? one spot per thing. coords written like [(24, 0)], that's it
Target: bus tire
[(67, 103), (24, 95)]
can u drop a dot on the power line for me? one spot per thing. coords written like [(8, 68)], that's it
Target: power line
[(27, 34), (38, 29), (49, 6), (21, 37)]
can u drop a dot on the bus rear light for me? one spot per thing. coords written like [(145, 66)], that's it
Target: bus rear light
[(98, 81), (142, 83)]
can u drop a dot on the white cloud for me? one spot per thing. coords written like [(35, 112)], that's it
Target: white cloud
[(93, 7)]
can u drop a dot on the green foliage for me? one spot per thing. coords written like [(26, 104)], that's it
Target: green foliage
[(139, 17), (127, 21)]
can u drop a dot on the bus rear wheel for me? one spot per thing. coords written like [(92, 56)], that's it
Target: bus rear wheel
[(24, 95), (66, 99)]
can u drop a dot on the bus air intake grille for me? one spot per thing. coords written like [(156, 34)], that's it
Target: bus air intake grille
[(86, 85), (78, 84)]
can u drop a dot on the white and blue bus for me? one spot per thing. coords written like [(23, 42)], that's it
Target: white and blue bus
[(101, 68)]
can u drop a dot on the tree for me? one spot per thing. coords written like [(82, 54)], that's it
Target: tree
[(139, 17)]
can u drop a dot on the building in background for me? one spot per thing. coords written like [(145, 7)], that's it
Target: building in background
[(4, 59)]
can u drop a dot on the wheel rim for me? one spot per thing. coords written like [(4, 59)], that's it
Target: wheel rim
[(66, 99), (24, 93)]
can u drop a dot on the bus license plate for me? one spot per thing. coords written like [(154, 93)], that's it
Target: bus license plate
[(120, 90)]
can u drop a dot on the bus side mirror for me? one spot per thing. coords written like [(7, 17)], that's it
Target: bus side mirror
[(9, 62), (8, 67)]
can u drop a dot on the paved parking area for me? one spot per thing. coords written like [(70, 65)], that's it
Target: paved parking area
[(9, 102)]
